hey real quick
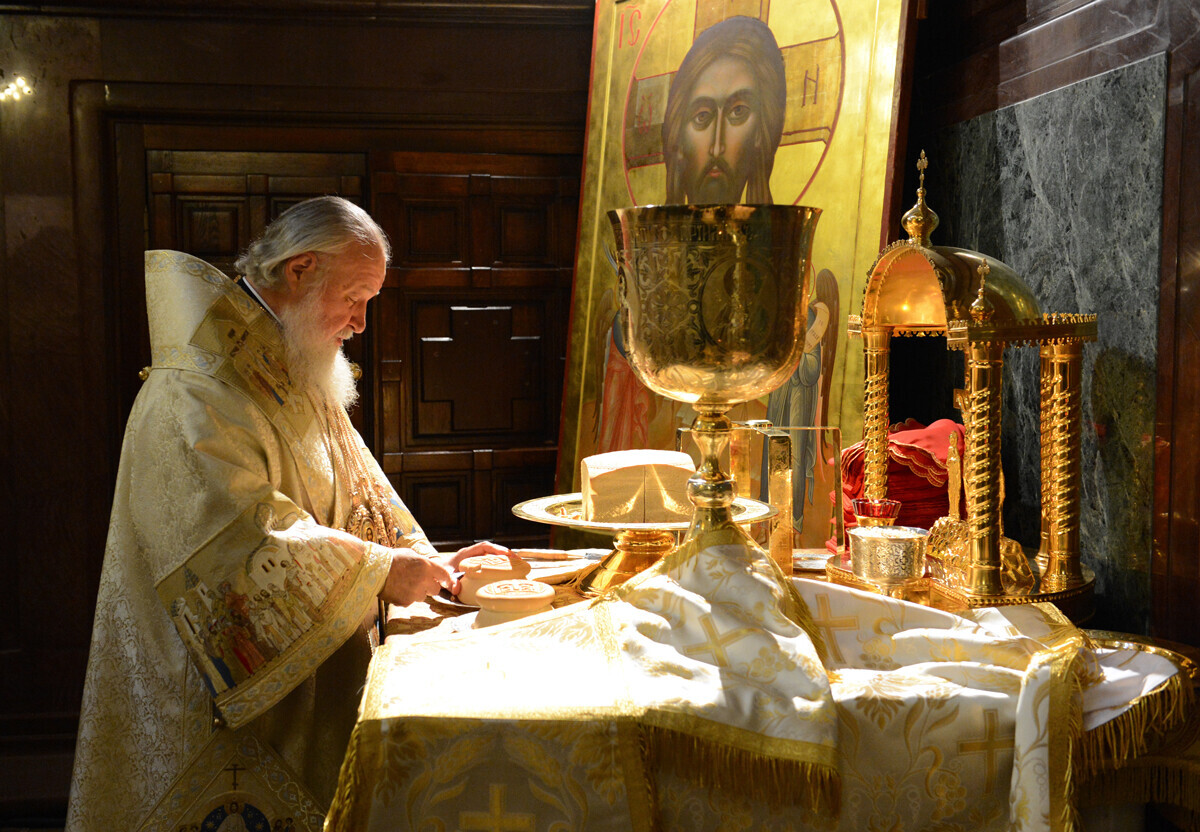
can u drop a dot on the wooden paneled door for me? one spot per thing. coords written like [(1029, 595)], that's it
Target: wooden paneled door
[(471, 331)]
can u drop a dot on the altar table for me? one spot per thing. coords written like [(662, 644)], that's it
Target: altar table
[(711, 695)]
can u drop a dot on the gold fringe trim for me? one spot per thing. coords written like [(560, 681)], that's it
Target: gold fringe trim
[(1138, 730), (773, 780), (346, 814), (1067, 695)]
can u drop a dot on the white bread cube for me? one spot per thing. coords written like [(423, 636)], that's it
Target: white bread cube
[(638, 486)]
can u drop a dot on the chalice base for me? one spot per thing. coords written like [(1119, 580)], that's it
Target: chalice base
[(635, 550)]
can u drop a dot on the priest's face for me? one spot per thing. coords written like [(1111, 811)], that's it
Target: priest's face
[(328, 307), (346, 283)]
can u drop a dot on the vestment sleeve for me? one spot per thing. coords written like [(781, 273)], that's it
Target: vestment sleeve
[(259, 591)]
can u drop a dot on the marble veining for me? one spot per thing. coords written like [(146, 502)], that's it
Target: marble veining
[(1066, 188)]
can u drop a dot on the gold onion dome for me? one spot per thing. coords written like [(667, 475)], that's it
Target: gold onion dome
[(920, 220), (982, 310)]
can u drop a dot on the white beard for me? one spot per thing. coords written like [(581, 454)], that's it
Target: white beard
[(316, 366)]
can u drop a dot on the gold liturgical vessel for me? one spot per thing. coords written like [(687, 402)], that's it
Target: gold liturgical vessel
[(981, 306), (714, 308)]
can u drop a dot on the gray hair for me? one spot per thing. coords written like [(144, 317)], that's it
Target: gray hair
[(324, 225)]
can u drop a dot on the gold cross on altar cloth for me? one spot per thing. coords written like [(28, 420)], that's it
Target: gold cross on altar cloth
[(716, 642), (495, 819), (825, 622), (988, 745)]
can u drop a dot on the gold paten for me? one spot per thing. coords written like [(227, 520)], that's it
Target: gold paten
[(981, 306), (636, 546)]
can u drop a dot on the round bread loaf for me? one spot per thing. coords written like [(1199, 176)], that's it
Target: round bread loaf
[(481, 570), (511, 599)]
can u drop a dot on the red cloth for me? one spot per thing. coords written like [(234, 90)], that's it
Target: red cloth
[(916, 472)]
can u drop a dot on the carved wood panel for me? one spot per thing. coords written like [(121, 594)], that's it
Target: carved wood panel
[(472, 327), (213, 203)]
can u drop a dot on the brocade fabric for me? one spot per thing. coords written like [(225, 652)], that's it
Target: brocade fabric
[(707, 694)]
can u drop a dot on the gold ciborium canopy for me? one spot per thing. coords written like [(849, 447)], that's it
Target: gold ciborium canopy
[(981, 306), (714, 306)]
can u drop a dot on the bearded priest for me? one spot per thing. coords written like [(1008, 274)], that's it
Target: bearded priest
[(252, 540)]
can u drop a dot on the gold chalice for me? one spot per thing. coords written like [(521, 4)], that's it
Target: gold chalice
[(714, 306)]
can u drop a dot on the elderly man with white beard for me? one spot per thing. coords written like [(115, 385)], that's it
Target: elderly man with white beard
[(245, 499)]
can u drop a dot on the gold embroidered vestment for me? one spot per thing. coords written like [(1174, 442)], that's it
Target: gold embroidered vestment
[(228, 588)]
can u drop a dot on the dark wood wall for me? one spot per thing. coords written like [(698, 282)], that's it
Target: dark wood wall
[(460, 125)]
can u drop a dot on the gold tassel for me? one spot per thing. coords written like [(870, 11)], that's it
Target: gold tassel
[(1138, 730), (773, 780)]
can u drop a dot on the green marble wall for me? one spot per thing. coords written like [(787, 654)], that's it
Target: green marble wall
[(1066, 188)]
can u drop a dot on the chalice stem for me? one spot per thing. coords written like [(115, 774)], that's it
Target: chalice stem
[(711, 490)]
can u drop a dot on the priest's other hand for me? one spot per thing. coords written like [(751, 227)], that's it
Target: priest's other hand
[(413, 577), (483, 547)]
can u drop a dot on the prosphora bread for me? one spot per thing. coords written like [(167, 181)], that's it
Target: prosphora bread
[(481, 570), (638, 486), (512, 599)]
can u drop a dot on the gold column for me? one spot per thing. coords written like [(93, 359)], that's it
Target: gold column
[(1046, 435), (1061, 479), (985, 365), (876, 341)]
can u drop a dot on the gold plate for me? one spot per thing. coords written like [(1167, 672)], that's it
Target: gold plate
[(567, 510)]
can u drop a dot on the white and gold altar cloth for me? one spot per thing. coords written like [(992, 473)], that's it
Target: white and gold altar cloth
[(710, 693)]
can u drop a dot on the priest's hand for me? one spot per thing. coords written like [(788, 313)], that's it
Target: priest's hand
[(483, 547), (413, 577)]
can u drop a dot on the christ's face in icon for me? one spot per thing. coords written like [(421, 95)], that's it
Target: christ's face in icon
[(717, 140)]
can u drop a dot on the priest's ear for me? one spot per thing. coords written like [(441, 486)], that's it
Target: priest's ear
[(300, 270)]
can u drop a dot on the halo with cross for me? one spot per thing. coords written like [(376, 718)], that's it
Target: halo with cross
[(811, 38)]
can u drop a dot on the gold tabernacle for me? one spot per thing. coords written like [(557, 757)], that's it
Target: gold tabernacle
[(981, 306)]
